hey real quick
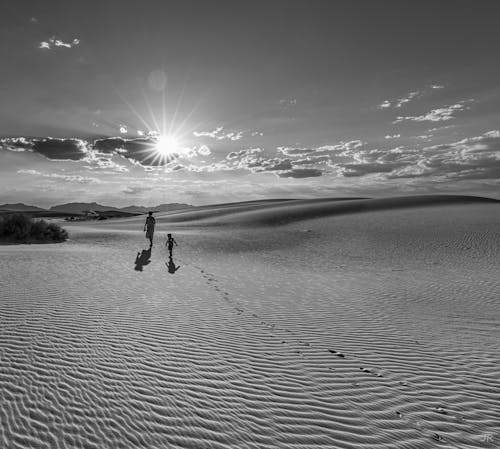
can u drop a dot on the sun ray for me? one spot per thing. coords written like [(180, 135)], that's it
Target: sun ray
[(164, 107), (134, 110), (179, 101), (150, 109)]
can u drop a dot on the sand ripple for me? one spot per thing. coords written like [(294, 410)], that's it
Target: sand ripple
[(329, 342)]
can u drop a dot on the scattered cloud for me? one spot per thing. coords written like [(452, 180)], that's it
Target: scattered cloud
[(399, 102), (55, 42), (67, 178), (204, 150), (241, 153), (220, 134), (351, 170), (134, 190), (18, 144), (440, 128), (288, 102), (437, 115)]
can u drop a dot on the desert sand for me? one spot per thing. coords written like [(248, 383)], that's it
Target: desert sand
[(359, 323)]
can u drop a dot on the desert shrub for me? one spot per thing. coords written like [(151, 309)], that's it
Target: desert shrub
[(21, 228), (16, 226)]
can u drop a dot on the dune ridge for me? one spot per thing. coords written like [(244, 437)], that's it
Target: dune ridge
[(286, 211)]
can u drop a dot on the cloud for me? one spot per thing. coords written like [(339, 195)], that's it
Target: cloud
[(400, 102), (288, 102), (397, 103), (55, 42), (290, 151), (310, 160), (134, 190), (473, 158), (351, 170), (219, 134), (340, 148), (18, 144), (61, 149), (140, 151), (470, 158), (301, 173), (67, 178), (440, 128), (438, 115), (242, 153), (203, 150)]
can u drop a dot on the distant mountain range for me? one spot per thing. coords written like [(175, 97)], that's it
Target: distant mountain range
[(20, 207), (79, 208)]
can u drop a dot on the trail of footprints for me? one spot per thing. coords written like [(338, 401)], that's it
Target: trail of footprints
[(393, 380)]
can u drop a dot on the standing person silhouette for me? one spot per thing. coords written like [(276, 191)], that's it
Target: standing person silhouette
[(149, 227), (170, 243)]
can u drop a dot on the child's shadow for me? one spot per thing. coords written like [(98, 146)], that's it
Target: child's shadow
[(143, 258), (171, 265)]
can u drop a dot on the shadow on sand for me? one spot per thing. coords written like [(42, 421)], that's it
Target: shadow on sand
[(172, 268), (143, 258)]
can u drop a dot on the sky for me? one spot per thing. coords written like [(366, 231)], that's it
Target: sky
[(148, 102)]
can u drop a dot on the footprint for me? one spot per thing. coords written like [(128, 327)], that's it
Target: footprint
[(437, 437)]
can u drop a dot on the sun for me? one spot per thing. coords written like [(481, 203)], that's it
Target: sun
[(167, 145)]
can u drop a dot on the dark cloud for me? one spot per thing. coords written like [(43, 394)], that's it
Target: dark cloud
[(140, 150), (277, 165), (61, 149), (301, 173), (352, 170)]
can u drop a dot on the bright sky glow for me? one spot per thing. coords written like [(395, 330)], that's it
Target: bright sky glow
[(167, 145)]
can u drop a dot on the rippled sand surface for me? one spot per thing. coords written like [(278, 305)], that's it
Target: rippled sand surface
[(371, 328)]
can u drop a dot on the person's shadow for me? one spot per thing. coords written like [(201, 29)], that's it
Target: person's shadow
[(171, 265), (143, 258)]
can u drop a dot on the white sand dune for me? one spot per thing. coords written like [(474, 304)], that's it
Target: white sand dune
[(357, 324)]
